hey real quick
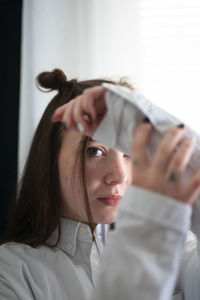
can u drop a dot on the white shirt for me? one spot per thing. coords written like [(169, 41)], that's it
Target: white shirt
[(140, 261), (66, 271), (148, 242)]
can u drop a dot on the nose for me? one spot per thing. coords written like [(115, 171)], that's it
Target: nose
[(116, 169)]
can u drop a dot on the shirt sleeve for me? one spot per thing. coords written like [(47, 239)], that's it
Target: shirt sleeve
[(141, 259), (189, 274), (125, 110), (6, 292)]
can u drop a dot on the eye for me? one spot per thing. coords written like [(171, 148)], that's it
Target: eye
[(95, 152)]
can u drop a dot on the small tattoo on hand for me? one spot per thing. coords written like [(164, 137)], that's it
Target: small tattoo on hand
[(172, 177), (65, 125)]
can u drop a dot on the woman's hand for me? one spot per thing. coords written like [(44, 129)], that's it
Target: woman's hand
[(163, 174), (85, 112)]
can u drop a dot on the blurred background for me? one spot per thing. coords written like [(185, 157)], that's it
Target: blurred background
[(154, 43)]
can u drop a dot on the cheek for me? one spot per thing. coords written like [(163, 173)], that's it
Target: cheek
[(65, 184), (94, 174), (64, 171), (129, 173), (92, 178), (68, 179)]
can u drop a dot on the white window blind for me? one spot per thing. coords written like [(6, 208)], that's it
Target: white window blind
[(156, 43), (170, 56)]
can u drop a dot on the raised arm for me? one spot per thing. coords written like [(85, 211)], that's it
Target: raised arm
[(141, 259)]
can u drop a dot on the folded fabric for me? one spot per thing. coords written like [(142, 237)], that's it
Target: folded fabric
[(125, 110)]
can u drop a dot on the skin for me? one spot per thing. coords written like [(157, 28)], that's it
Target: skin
[(112, 178), (163, 174)]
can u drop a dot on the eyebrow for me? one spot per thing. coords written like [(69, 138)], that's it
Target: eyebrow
[(92, 140)]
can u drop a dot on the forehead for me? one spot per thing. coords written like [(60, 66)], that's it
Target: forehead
[(96, 143), (71, 141)]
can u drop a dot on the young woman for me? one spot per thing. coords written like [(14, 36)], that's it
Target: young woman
[(69, 194)]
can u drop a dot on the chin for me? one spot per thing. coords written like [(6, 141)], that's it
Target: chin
[(107, 219), (105, 214)]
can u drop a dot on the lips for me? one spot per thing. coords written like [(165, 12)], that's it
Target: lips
[(110, 200)]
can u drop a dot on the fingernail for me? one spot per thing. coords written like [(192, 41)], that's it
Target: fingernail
[(80, 127), (87, 117), (146, 120), (181, 125), (65, 125), (112, 226)]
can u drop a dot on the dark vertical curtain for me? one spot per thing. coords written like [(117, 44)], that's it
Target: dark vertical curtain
[(10, 47)]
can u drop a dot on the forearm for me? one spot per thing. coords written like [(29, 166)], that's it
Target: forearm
[(142, 256)]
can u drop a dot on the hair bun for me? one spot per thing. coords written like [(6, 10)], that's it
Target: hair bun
[(51, 80)]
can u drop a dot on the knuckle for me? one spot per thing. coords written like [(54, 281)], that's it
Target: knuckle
[(136, 146), (188, 143), (141, 135), (164, 149), (87, 91), (178, 162), (139, 129), (174, 131), (77, 99)]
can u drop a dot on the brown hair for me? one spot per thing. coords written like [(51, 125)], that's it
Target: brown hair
[(36, 211)]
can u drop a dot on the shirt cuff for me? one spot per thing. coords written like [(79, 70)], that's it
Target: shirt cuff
[(156, 208)]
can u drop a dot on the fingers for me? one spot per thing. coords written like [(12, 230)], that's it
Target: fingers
[(79, 114), (58, 114), (167, 147), (94, 101), (139, 145), (169, 163), (86, 110), (180, 159), (68, 116), (192, 190)]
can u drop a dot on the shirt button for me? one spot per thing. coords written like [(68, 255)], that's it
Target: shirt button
[(82, 231), (68, 246)]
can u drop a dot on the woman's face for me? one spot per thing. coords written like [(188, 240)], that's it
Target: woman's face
[(108, 173)]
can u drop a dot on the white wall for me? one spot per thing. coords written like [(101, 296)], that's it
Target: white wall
[(156, 43)]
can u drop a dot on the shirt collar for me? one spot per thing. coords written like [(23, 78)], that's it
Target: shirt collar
[(71, 231)]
